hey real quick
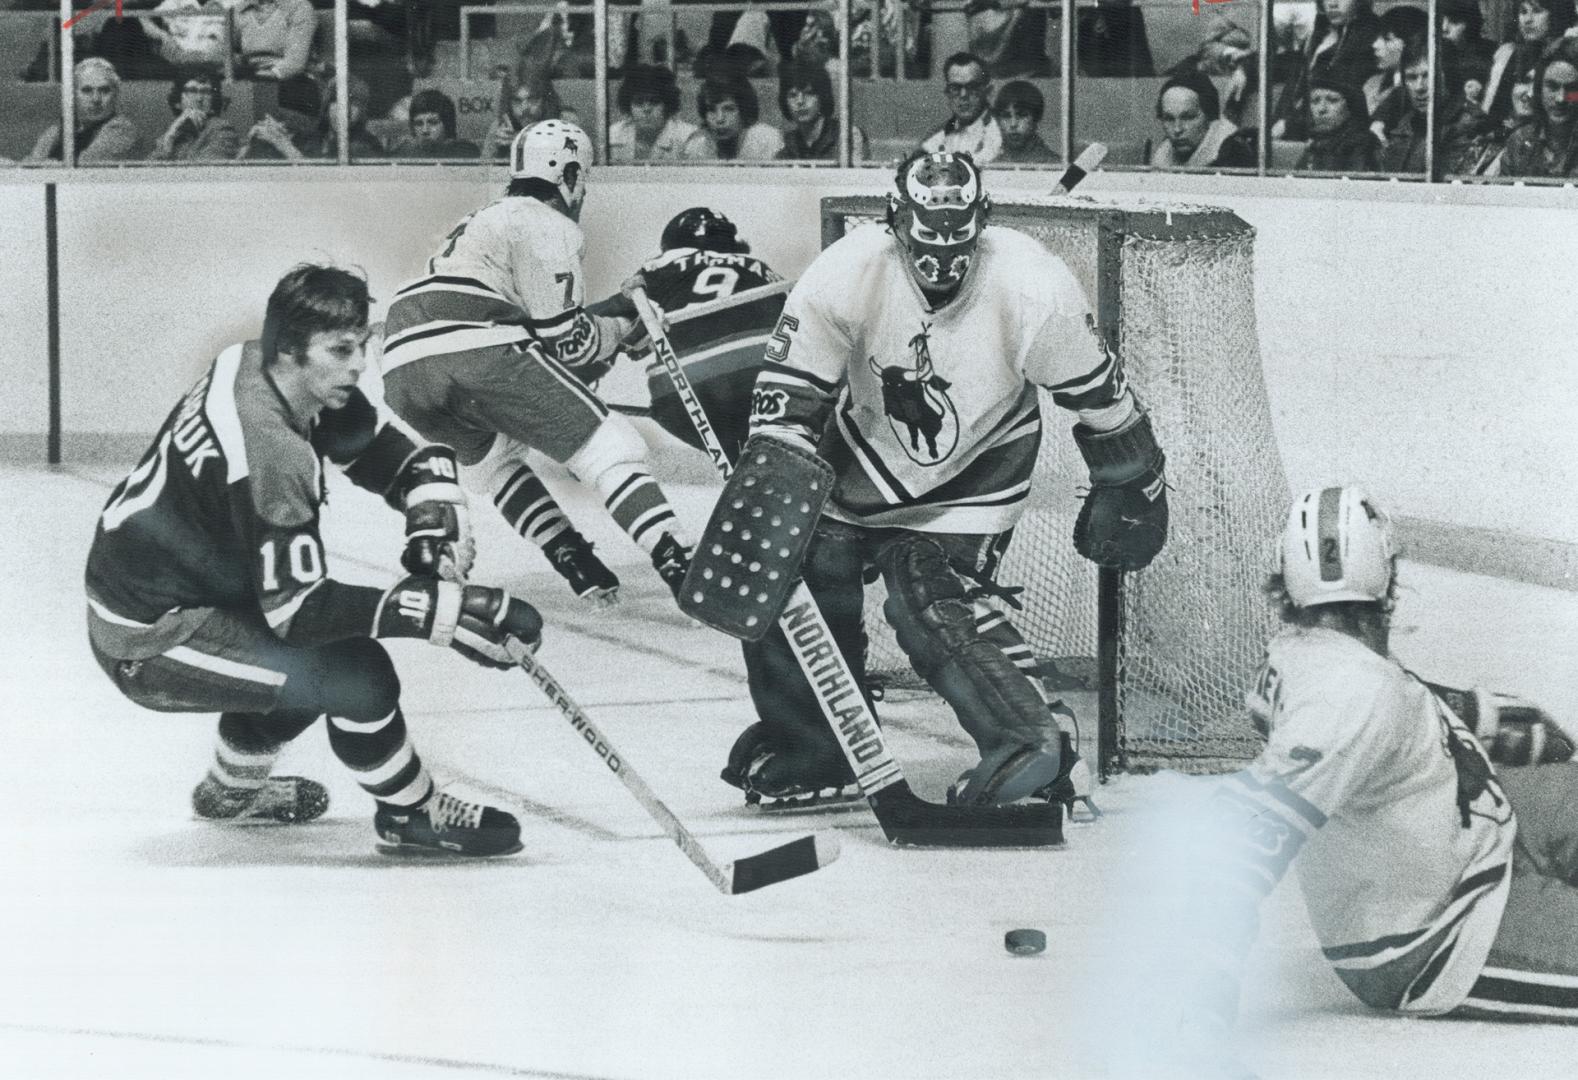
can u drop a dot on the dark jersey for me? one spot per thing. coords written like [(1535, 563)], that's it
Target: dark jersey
[(681, 277), (222, 511)]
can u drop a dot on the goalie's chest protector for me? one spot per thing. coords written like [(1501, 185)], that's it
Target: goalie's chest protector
[(937, 427)]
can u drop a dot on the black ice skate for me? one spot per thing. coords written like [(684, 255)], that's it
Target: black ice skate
[(282, 800), (777, 780), (671, 559), (571, 555), (447, 825)]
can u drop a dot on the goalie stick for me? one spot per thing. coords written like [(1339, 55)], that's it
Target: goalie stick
[(905, 818), (801, 856), (1089, 161)]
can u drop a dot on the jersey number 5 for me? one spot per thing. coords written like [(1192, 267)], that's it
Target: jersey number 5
[(778, 344)]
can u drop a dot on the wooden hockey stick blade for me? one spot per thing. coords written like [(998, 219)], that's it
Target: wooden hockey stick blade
[(791, 860), (1088, 162), (907, 820)]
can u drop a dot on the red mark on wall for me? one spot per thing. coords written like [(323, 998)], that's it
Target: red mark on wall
[(1196, 4), (99, 4)]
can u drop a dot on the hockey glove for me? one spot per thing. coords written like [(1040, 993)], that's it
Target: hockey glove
[(1513, 731), (438, 540), (1123, 522), (474, 620)]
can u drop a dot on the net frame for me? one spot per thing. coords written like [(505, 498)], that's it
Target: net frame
[(1169, 650)]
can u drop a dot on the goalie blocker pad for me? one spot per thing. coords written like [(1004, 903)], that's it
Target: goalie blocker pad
[(749, 556)]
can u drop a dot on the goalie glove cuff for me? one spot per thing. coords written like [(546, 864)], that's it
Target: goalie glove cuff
[(1124, 454)]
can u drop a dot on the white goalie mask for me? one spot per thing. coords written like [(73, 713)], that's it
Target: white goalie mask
[(1337, 546), (556, 151), (937, 214)]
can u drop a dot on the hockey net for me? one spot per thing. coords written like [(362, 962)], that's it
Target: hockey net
[(1170, 650)]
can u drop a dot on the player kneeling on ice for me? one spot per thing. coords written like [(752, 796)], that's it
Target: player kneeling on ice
[(493, 352), (208, 591), (1436, 883), (904, 373)]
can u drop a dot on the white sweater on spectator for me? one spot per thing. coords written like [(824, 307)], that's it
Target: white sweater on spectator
[(982, 139)]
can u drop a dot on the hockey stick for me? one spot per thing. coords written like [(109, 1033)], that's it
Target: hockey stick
[(905, 817), (791, 860), (1088, 162)]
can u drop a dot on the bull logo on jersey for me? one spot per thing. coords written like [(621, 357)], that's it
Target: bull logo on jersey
[(915, 397)]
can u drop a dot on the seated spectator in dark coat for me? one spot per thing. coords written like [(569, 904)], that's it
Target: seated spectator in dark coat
[(805, 97), (1539, 22), (1340, 47), (1340, 138), (1546, 146), (1019, 108), (1463, 26), (431, 116), (1398, 24), (199, 131), (270, 138), (1477, 139), (1196, 135), (102, 134), (1404, 135)]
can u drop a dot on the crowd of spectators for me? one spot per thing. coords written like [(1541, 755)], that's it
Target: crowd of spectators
[(1357, 86)]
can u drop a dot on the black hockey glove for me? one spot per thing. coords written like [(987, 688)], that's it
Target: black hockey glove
[(1123, 522), (476, 621), (438, 540)]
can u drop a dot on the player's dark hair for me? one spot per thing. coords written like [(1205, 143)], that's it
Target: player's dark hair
[(1352, 613), (312, 299), (534, 187)]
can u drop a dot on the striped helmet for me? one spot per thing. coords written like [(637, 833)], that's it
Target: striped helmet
[(556, 151), (1337, 546)]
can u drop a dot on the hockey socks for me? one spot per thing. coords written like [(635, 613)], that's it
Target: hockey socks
[(381, 757), (635, 501)]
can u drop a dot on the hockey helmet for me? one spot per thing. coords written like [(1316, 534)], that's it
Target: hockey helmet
[(1337, 546), (937, 214), (702, 228), (556, 151)]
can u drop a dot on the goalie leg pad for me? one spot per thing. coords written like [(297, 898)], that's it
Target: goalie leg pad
[(791, 719), (748, 558), (936, 627)]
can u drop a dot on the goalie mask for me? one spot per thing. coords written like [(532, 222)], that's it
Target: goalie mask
[(937, 215), (558, 152), (1337, 547)]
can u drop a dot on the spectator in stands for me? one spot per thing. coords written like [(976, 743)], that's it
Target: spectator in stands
[(732, 126), (1340, 136), (1478, 142), (648, 128), (972, 128), (271, 138), (1196, 134), (818, 42), (199, 131), (101, 133), (274, 37), (1228, 50), (195, 33), (1539, 21), (431, 117), (1009, 37), (1342, 48), (1403, 140), (1019, 108), (123, 42), (530, 100), (1546, 145), (805, 97), (1463, 26), (1398, 24)]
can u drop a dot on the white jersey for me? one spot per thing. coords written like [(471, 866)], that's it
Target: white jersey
[(937, 420), (1403, 835), (510, 270)]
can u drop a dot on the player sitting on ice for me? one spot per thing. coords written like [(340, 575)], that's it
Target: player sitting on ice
[(493, 352), (1435, 883), (704, 260), (208, 588), (907, 361)]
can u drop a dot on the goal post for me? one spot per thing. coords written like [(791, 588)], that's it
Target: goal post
[(1169, 650)]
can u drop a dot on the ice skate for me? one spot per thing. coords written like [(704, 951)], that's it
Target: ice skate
[(573, 559), (282, 800), (447, 825), (671, 560), (777, 780)]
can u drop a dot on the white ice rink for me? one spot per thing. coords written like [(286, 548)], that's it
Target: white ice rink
[(140, 945)]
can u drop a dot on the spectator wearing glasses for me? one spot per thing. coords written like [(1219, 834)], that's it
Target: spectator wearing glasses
[(1546, 145), (972, 129), (805, 97), (732, 127), (199, 131), (1195, 133), (1019, 108), (101, 133), (648, 128), (431, 117)]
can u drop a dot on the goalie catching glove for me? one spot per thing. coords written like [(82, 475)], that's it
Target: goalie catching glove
[(1123, 522), (474, 620), (438, 540)]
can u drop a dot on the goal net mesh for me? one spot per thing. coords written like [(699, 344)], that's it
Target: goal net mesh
[(1174, 290)]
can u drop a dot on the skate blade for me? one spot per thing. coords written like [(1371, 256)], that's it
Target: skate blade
[(398, 850), (601, 599), (848, 797)]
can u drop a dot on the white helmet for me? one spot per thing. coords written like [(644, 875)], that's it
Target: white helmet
[(556, 151), (1337, 546)]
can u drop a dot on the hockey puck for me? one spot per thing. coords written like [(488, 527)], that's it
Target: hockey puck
[(1024, 942)]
